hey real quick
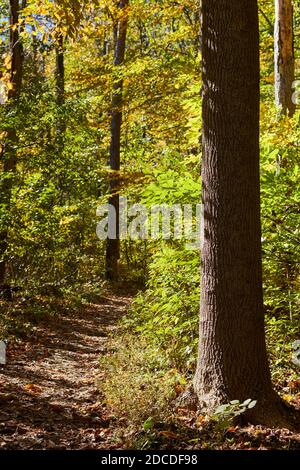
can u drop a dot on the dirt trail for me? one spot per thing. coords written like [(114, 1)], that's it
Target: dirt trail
[(48, 396)]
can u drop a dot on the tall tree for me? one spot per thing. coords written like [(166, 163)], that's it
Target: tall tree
[(284, 56), (60, 89), (113, 244), (9, 149), (232, 360)]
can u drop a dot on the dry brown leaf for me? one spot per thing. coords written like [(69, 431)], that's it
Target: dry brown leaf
[(179, 389)]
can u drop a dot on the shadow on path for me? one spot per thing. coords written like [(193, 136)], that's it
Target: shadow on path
[(48, 396)]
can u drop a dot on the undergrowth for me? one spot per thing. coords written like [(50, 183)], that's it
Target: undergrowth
[(139, 382), (30, 307)]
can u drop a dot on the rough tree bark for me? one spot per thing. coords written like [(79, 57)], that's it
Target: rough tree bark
[(232, 361), (284, 59), (113, 244), (9, 149)]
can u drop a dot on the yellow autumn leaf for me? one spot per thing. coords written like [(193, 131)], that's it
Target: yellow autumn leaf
[(33, 388)]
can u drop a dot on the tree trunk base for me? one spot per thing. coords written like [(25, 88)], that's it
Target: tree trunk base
[(187, 399), (269, 411)]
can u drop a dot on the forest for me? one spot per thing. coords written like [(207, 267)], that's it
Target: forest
[(150, 225)]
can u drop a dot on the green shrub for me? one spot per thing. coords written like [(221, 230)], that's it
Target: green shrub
[(167, 312)]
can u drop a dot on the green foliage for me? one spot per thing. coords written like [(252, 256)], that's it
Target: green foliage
[(20, 319), (56, 188), (281, 333), (174, 186), (167, 312), (53, 252), (225, 415), (280, 216)]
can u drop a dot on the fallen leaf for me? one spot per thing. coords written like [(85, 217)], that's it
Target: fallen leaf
[(33, 388), (201, 420), (294, 384), (179, 389), (232, 429)]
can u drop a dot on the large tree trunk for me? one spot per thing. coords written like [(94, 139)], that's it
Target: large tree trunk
[(9, 149), (113, 244), (284, 56), (232, 360)]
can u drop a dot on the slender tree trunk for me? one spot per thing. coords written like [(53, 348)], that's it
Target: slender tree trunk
[(9, 150), (232, 361), (284, 56), (60, 90), (113, 245), (60, 102)]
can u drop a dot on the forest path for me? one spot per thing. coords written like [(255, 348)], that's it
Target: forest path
[(48, 393)]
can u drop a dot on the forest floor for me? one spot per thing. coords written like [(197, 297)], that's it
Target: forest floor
[(49, 398), (50, 394)]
